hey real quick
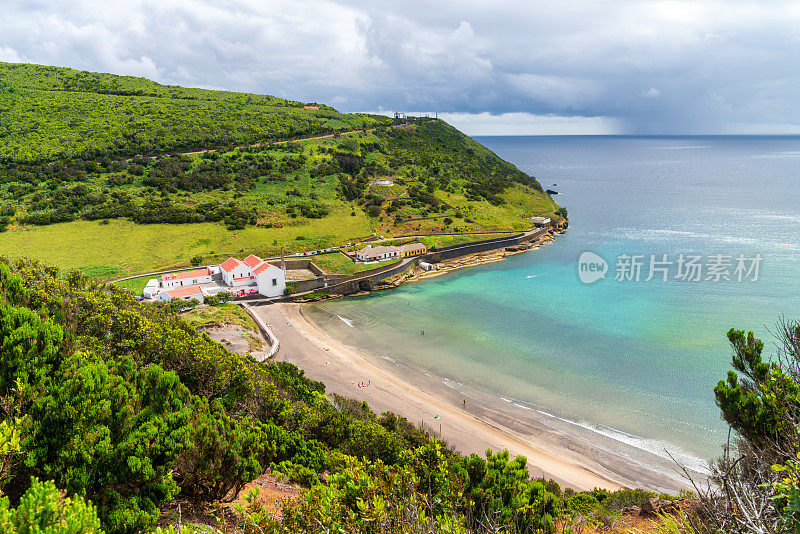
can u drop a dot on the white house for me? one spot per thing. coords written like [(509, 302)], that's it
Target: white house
[(186, 278), (370, 253), (237, 273), (183, 293), (271, 280), (253, 271), (151, 289)]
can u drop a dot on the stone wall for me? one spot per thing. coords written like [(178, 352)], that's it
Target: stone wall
[(366, 282), (454, 251), (301, 286)]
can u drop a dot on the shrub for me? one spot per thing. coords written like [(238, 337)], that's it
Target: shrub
[(43, 509)]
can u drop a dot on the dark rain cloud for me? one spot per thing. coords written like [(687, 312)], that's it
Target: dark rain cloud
[(648, 66)]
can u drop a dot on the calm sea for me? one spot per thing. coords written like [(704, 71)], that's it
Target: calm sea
[(634, 361)]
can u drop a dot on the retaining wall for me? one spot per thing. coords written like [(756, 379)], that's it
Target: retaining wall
[(455, 251), (368, 272), (301, 286), (266, 331), (366, 282)]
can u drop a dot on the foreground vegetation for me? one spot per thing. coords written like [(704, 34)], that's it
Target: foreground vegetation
[(111, 409)]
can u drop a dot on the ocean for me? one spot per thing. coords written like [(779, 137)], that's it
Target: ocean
[(633, 361)]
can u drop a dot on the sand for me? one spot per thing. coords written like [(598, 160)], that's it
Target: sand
[(471, 428)]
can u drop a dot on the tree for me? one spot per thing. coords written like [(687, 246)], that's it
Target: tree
[(42, 509), (756, 485), (111, 432), (225, 453)]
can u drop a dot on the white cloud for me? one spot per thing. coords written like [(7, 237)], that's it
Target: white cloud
[(658, 66), (523, 123), (9, 54)]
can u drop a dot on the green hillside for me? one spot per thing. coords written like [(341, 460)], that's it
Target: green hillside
[(165, 173), (52, 112)]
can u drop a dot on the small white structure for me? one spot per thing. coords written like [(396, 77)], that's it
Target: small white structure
[(370, 253), (425, 266), (186, 278), (151, 289), (183, 293), (539, 221)]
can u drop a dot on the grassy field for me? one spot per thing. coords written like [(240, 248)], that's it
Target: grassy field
[(52, 112), (338, 263), (136, 285), (449, 240), (224, 313), (121, 247)]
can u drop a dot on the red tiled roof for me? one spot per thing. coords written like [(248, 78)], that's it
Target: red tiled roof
[(230, 264), (186, 274), (184, 292), (244, 278), (252, 261), (261, 267)]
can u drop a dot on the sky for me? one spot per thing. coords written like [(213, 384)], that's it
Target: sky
[(489, 67)]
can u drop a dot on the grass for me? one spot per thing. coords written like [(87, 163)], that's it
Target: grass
[(135, 285), (338, 263), (224, 313), (123, 248), (450, 240), (56, 112)]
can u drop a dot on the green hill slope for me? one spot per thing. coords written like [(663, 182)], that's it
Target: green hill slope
[(166, 173), (52, 112)]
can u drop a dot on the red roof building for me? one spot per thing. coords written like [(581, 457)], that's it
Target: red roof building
[(230, 264), (252, 261), (199, 273), (186, 293)]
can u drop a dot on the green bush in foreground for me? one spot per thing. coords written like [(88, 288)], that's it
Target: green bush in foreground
[(125, 405), (42, 509)]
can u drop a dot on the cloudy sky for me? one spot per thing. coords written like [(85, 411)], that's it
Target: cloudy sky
[(499, 66)]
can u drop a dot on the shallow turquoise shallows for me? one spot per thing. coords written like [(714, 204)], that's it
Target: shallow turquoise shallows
[(636, 361)]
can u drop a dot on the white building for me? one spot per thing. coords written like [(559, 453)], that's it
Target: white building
[(186, 278), (151, 289), (253, 271), (370, 253), (183, 293), (271, 280), (237, 273), (539, 221)]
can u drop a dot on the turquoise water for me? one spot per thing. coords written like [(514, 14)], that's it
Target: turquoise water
[(636, 361)]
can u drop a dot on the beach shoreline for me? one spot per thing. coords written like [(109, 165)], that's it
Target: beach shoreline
[(573, 460)]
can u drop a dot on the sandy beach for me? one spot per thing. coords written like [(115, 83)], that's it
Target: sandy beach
[(576, 461)]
